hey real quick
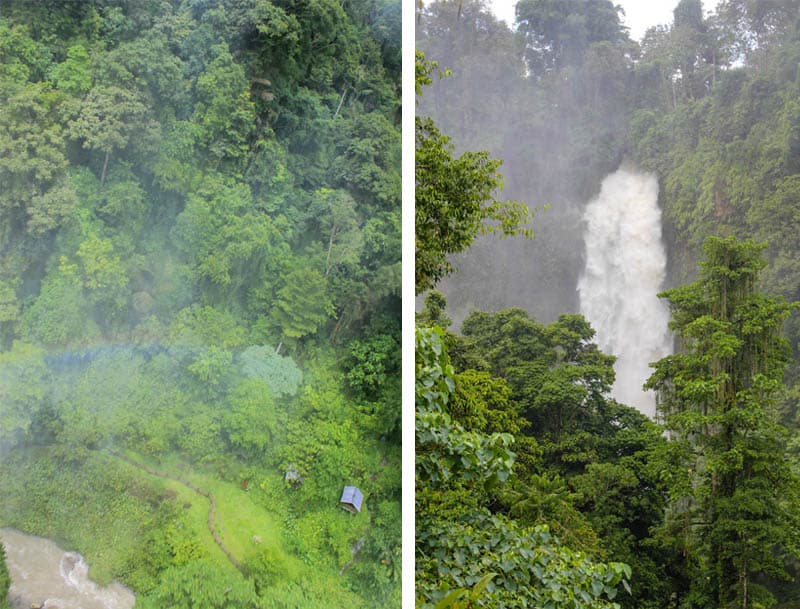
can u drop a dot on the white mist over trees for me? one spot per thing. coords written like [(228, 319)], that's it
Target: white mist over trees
[(625, 268), (541, 125)]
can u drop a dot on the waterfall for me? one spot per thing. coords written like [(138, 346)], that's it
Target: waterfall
[(625, 269)]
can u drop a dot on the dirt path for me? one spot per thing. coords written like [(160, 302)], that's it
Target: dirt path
[(212, 510)]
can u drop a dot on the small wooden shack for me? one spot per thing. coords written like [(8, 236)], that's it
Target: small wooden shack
[(293, 476), (352, 498)]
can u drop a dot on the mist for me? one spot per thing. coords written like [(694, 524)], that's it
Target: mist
[(557, 139), (560, 133)]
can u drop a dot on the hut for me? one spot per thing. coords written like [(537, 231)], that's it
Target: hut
[(352, 498), (293, 476)]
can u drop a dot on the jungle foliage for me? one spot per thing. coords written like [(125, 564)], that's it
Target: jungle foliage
[(5, 579), (702, 504), (200, 277), (734, 513)]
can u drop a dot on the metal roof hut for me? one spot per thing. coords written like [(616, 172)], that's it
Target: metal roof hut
[(352, 498)]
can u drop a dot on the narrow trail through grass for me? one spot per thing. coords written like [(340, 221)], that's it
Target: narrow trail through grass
[(206, 516), (212, 510)]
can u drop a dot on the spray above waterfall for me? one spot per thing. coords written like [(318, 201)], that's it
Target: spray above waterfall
[(625, 269)]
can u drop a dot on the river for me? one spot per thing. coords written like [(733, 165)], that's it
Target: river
[(44, 575)]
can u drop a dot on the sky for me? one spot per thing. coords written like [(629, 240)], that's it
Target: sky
[(639, 14)]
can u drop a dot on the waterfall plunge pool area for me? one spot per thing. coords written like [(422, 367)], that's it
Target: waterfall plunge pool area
[(45, 576)]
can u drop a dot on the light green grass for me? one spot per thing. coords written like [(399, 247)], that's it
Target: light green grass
[(245, 527), (196, 515), (108, 528)]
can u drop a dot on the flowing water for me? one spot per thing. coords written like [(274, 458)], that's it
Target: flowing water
[(43, 575), (625, 269)]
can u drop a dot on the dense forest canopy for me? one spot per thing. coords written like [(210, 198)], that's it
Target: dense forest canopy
[(703, 506), (200, 288)]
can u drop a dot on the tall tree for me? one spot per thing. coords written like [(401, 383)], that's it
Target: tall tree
[(756, 25), (106, 119), (458, 541), (35, 197), (557, 33), (302, 305), (733, 496)]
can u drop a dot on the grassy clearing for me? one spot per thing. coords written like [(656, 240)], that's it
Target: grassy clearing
[(111, 510), (245, 527), (250, 530)]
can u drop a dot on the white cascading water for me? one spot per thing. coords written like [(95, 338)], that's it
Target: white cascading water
[(625, 269)]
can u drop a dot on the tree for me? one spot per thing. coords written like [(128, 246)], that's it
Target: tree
[(476, 47), (9, 309), (60, 314), (454, 198), (35, 197), (74, 75), (205, 326), (755, 25), (211, 370), (236, 251), (555, 372), (24, 377), (681, 62), (367, 161), (279, 373), (201, 584), (106, 119), (310, 43), (302, 305), (5, 579), (339, 222), (777, 218), (253, 419), (102, 272), (373, 362), (532, 569), (558, 32), (223, 109), (735, 508), (444, 448)]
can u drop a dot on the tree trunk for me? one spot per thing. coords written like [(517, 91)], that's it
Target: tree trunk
[(330, 247), (341, 101), (744, 588), (105, 166)]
